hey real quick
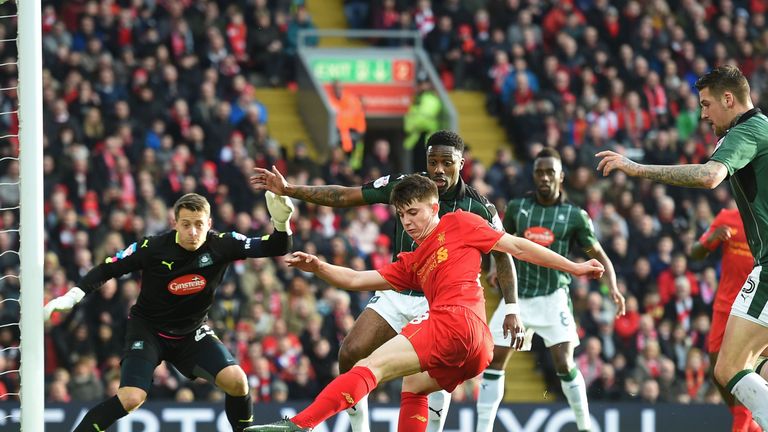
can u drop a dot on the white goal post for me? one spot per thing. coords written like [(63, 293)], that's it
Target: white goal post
[(30, 67)]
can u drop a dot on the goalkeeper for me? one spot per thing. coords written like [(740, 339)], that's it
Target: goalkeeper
[(181, 270)]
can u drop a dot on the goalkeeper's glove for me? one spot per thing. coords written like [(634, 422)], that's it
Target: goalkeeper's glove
[(281, 209), (63, 303)]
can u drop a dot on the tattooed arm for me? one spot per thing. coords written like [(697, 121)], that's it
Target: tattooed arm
[(326, 195), (506, 276), (330, 195), (706, 176)]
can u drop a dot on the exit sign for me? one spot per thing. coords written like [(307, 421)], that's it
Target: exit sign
[(368, 71)]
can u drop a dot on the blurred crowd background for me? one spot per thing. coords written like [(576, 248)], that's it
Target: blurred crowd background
[(146, 100)]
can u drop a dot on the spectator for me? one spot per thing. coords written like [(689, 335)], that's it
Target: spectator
[(685, 306), (350, 118), (649, 391), (84, 385), (589, 362), (421, 121), (606, 387)]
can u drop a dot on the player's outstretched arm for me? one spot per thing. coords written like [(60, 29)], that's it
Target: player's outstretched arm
[(526, 250), (327, 195), (338, 276), (507, 279), (124, 262), (705, 176), (597, 252), (700, 250)]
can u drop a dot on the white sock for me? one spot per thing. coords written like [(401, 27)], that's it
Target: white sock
[(438, 410), (489, 398), (575, 390), (752, 391), (358, 416)]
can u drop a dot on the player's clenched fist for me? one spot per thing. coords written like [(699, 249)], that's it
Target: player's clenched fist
[(591, 269)]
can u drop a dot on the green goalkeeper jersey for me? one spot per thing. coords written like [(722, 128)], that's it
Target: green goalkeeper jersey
[(557, 227)]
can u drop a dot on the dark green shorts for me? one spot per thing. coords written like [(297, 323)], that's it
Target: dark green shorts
[(197, 354)]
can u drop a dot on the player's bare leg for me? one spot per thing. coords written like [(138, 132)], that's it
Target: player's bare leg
[(743, 342), (369, 332), (572, 383), (492, 389), (742, 418), (394, 359)]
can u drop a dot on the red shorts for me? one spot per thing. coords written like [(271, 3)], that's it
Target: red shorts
[(453, 344), (717, 330)]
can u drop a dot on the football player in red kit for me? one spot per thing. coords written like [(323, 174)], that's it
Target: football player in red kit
[(449, 344)]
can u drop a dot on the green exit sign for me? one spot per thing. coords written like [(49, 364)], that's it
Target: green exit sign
[(353, 71)]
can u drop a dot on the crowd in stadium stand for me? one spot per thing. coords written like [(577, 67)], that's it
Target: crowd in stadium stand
[(147, 100)]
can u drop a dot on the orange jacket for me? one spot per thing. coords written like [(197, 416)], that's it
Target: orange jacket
[(349, 116)]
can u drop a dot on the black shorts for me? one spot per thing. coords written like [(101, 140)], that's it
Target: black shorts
[(197, 354)]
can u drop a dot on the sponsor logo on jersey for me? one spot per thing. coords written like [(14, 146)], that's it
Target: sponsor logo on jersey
[(138, 345), (348, 397), (373, 299), (238, 236), (420, 418), (381, 182), (187, 284), (441, 237), (541, 235), (205, 260)]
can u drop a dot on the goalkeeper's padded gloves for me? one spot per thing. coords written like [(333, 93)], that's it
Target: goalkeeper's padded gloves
[(63, 303), (281, 209)]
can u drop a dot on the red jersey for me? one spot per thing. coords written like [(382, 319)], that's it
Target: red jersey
[(446, 265), (737, 259)]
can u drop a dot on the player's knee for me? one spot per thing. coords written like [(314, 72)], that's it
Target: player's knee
[(562, 364), (232, 381), (376, 366), (724, 372), (500, 357), (131, 397), (349, 354)]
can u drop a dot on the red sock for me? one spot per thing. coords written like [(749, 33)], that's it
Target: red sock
[(340, 394), (414, 412), (741, 418)]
